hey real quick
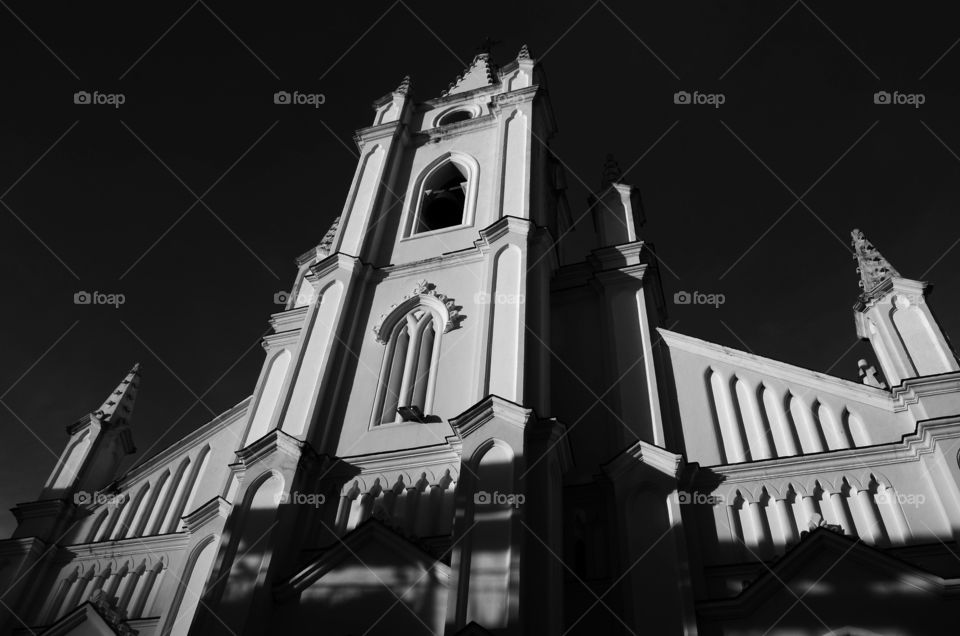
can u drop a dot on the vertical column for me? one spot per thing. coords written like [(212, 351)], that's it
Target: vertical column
[(839, 505), (729, 418), (807, 511), (900, 531), (802, 412), (783, 433), (788, 531), (758, 435), (873, 529), (756, 539)]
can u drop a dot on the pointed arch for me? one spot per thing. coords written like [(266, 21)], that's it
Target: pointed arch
[(441, 175), (412, 332), (192, 586)]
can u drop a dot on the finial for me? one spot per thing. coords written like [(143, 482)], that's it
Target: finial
[(524, 53), (873, 268), (611, 172), (486, 46), (404, 88)]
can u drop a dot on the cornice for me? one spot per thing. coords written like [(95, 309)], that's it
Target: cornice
[(216, 508), (406, 459), (878, 294), (910, 448), (276, 441), (518, 96), (289, 320), (22, 547), (641, 453), (489, 236), (130, 547), (375, 133), (40, 509), (334, 262), (487, 409), (448, 131), (911, 390), (605, 265)]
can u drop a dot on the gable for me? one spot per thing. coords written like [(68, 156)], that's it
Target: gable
[(373, 580), (844, 587)]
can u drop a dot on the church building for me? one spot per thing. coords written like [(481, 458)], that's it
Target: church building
[(435, 446)]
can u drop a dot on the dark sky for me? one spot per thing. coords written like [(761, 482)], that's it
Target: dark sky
[(99, 198)]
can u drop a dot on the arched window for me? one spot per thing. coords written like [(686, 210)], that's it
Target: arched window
[(409, 369), (455, 117), (443, 199)]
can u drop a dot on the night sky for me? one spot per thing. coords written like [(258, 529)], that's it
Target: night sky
[(754, 199)]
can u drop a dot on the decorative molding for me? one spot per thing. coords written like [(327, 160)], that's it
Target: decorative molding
[(487, 409), (216, 508), (422, 291)]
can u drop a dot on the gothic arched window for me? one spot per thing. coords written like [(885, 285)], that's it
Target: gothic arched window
[(443, 195), (409, 370), (411, 332), (443, 200)]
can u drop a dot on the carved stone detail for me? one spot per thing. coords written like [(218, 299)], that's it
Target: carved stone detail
[(422, 289)]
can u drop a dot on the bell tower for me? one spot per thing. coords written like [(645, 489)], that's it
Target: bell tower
[(409, 373)]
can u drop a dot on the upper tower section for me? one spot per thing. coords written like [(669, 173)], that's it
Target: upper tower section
[(894, 315), (433, 173)]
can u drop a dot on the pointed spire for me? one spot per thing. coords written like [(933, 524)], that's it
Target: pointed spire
[(118, 407), (611, 172), (524, 53), (404, 88), (873, 268)]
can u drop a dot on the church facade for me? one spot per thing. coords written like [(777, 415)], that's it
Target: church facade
[(433, 446)]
